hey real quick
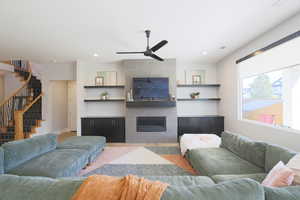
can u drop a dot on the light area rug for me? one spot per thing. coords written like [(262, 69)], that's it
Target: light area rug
[(141, 161)]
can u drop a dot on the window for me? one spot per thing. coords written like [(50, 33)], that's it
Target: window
[(273, 97)]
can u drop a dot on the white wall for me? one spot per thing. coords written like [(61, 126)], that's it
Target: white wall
[(72, 105), (2, 92), (11, 84), (58, 106), (6, 67), (228, 78), (59, 71)]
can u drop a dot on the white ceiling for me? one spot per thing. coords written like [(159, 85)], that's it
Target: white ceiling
[(68, 30)]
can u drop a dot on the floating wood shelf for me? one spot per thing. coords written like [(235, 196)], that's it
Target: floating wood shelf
[(103, 86), (101, 100), (198, 85), (200, 99), (140, 104)]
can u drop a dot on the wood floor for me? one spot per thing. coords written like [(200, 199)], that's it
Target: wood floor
[(66, 135)]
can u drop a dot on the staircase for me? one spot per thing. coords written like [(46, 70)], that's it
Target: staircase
[(21, 113)]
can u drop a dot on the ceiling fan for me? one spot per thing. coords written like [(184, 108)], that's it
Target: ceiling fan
[(149, 51)]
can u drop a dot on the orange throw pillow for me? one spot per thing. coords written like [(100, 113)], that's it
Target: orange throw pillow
[(279, 176)]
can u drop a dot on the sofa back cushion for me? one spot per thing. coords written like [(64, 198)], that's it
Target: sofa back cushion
[(245, 148), (30, 188), (245, 189), (18, 152), (286, 193), (275, 153), (1, 161)]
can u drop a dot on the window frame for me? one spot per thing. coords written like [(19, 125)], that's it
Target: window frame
[(240, 103)]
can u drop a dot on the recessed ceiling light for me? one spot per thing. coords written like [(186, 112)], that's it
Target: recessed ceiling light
[(96, 55), (54, 61), (204, 52)]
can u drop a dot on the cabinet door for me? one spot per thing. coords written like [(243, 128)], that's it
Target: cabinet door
[(95, 126), (117, 134), (113, 129), (87, 127), (103, 127), (200, 125)]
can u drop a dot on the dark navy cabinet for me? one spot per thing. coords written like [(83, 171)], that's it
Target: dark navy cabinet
[(201, 124), (113, 128)]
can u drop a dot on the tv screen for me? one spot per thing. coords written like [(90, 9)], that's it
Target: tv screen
[(150, 88)]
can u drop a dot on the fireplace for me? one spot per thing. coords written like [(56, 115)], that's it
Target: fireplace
[(151, 124)]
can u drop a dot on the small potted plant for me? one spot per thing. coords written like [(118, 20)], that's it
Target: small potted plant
[(104, 95), (195, 95)]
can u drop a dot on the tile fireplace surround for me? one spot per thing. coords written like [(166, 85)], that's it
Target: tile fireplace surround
[(151, 68)]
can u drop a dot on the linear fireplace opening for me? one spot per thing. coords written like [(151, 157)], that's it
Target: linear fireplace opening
[(151, 124)]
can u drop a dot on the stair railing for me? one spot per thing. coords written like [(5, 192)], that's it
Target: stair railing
[(18, 100), (19, 119)]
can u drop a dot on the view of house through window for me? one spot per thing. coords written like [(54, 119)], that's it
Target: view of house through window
[(273, 97)]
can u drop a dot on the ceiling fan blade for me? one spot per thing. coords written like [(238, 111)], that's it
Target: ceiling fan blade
[(134, 52), (159, 45), (156, 57)]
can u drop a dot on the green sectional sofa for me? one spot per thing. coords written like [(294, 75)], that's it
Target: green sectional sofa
[(233, 172), (42, 156), (238, 157), (180, 188)]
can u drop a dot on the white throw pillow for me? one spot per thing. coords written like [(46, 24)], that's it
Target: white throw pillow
[(194, 141), (294, 164), (279, 176)]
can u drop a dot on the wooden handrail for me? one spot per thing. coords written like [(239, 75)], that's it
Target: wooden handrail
[(33, 102), (7, 62), (19, 89)]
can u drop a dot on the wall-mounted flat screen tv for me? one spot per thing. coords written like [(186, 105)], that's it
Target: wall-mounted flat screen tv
[(150, 88)]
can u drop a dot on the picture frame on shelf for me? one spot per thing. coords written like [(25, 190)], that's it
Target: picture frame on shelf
[(195, 77), (106, 78), (99, 80)]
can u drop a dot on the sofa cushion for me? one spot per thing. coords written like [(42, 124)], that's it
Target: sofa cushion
[(18, 152), (245, 189), (93, 144), (57, 163), (275, 154), (287, 193), (215, 161), (183, 180), (37, 188), (90, 143), (1, 161), (221, 178), (245, 148)]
